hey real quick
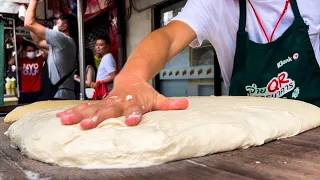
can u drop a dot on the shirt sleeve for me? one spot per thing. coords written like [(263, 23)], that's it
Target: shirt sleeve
[(109, 63), (202, 16), (56, 38)]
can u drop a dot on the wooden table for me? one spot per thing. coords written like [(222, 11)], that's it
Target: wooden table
[(293, 158)]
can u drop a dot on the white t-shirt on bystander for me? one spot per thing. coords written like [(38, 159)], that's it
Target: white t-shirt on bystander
[(217, 21), (107, 66)]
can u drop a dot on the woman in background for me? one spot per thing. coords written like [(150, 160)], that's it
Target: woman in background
[(90, 73)]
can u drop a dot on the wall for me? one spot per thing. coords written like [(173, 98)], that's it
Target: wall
[(139, 25), (141, 4), (137, 28)]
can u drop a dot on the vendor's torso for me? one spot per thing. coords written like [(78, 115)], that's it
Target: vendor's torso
[(222, 33)]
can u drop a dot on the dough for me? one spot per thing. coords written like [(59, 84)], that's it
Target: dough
[(209, 125), (20, 111)]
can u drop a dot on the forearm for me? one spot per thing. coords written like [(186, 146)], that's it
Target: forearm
[(12, 61), (149, 57), (30, 18), (36, 39), (88, 83), (30, 22), (108, 80)]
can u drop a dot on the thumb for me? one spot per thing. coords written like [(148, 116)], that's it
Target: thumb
[(164, 103)]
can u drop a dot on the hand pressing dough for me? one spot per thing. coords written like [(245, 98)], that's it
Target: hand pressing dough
[(20, 111), (209, 125)]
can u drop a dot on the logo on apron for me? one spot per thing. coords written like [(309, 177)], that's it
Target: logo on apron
[(276, 87), (294, 57)]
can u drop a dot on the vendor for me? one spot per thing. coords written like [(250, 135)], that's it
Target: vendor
[(60, 42), (265, 48), (30, 68)]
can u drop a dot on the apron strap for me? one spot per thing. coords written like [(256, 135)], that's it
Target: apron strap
[(295, 9), (243, 15)]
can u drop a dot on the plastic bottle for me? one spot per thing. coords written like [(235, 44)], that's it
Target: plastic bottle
[(13, 85), (8, 86)]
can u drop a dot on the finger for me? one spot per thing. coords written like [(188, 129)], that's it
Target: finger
[(70, 119), (102, 114), (163, 103), (78, 115), (60, 114), (133, 115), (79, 107)]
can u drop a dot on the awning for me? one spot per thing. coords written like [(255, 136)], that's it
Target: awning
[(95, 7)]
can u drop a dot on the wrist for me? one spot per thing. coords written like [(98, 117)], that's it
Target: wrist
[(128, 79), (92, 84)]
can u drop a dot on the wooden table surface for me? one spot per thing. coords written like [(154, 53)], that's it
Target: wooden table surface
[(293, 158)]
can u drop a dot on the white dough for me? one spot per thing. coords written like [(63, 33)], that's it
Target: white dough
[(209, 125)]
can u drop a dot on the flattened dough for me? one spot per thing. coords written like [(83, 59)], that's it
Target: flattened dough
[(209, 125), (18, 112)]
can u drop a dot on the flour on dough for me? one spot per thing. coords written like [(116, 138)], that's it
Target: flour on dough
[(209, 125)]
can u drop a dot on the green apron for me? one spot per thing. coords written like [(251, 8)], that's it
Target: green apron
[(286, 67)]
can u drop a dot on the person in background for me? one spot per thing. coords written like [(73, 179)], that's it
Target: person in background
[(61, 45), (30, 68), (107, 68), (90, 73)]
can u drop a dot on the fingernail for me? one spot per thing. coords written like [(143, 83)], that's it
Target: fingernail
[(66, 120), (133, 119), (60, 114), (67, 116)]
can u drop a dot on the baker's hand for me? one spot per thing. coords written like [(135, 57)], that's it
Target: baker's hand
[(130, 98)]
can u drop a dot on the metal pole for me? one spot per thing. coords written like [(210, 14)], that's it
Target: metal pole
[(81, 48), (120, 4), (16, 57)]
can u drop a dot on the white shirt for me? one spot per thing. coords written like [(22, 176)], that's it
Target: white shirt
[(107, 66), (217, 21)]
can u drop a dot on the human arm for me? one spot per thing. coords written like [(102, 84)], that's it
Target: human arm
[(31, 24), (110, 78), (89, 78), (145, 62), (40, 43), (104, 81), (40, 34), (151, 55), (12, 60)]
